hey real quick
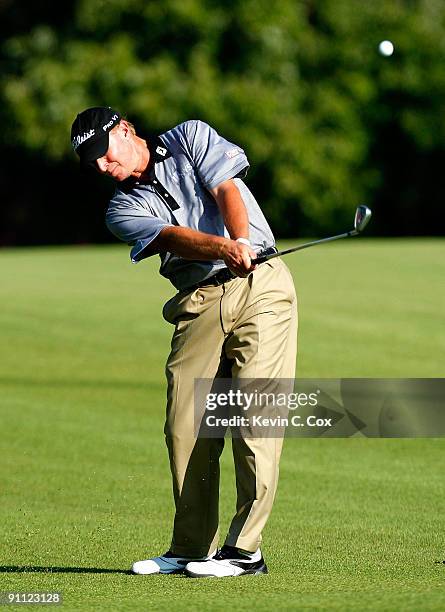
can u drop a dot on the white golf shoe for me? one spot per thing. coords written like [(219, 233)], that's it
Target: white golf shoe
[(227, 562), (169, 563)]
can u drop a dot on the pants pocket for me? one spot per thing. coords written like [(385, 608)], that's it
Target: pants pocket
[(183, 306)]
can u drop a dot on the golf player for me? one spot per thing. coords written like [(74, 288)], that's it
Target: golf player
[(181, 195)]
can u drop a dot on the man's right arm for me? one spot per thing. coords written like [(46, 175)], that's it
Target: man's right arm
[(191, 244)]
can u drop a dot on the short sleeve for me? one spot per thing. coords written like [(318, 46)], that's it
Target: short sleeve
[(215, 158), (135, 226)]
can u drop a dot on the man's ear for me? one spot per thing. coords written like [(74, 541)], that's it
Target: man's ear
[(124, 128)]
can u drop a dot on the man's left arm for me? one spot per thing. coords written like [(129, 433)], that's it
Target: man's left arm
[(234, 214), (232, 208)]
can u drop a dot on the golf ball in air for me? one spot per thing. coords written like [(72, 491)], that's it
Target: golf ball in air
[(386, 48)]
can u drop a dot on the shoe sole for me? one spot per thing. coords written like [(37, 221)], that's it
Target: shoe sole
[(176, 571), (260, 570), (180, 570)]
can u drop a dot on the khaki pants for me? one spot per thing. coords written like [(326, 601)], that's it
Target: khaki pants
[(246, 328)]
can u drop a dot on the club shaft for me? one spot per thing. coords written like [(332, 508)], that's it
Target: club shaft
[(264, 258)]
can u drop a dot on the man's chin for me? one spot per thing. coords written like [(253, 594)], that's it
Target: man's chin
[(121, 176)]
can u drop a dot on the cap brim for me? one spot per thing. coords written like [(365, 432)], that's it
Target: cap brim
[(94, 150)]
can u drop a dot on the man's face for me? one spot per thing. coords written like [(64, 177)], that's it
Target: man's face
[(121, 159)]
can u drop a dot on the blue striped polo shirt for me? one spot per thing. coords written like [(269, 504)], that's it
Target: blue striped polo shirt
[(185, 163)]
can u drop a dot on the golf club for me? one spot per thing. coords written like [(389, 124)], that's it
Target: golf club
[(361, 219)]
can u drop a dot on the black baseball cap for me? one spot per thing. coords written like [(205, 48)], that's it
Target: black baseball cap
[(90, 132)]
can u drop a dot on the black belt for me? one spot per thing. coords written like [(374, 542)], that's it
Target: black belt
[(225, 275)]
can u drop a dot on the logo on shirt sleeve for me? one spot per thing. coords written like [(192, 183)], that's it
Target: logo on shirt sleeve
[(231, 153)]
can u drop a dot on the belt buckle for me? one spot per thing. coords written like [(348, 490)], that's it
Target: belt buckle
[(223, 276)]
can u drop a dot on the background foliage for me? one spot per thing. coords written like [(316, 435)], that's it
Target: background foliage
[(326, 121)]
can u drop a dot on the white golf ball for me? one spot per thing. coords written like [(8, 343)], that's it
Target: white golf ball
[(386, 48)]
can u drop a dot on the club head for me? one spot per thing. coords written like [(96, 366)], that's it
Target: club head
[(361, 220)]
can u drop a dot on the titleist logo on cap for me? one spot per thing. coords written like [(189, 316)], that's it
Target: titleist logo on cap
[(78, 140)]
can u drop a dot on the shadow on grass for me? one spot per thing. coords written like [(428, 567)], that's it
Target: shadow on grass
[(60, 570), (83, 383)]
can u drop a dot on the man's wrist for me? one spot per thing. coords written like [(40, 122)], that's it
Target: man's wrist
[(245, 241)]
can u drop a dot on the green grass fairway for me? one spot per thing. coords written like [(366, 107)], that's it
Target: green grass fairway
[(85, 487)]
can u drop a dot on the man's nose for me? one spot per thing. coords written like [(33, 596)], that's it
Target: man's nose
[(101, 164)]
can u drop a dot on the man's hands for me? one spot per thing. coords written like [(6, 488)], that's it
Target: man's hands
[(238, 257)]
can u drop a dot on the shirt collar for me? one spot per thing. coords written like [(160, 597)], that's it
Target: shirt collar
[(159, 152)]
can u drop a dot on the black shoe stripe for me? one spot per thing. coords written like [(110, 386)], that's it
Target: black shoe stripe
[(261, 570), (248, 566)]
